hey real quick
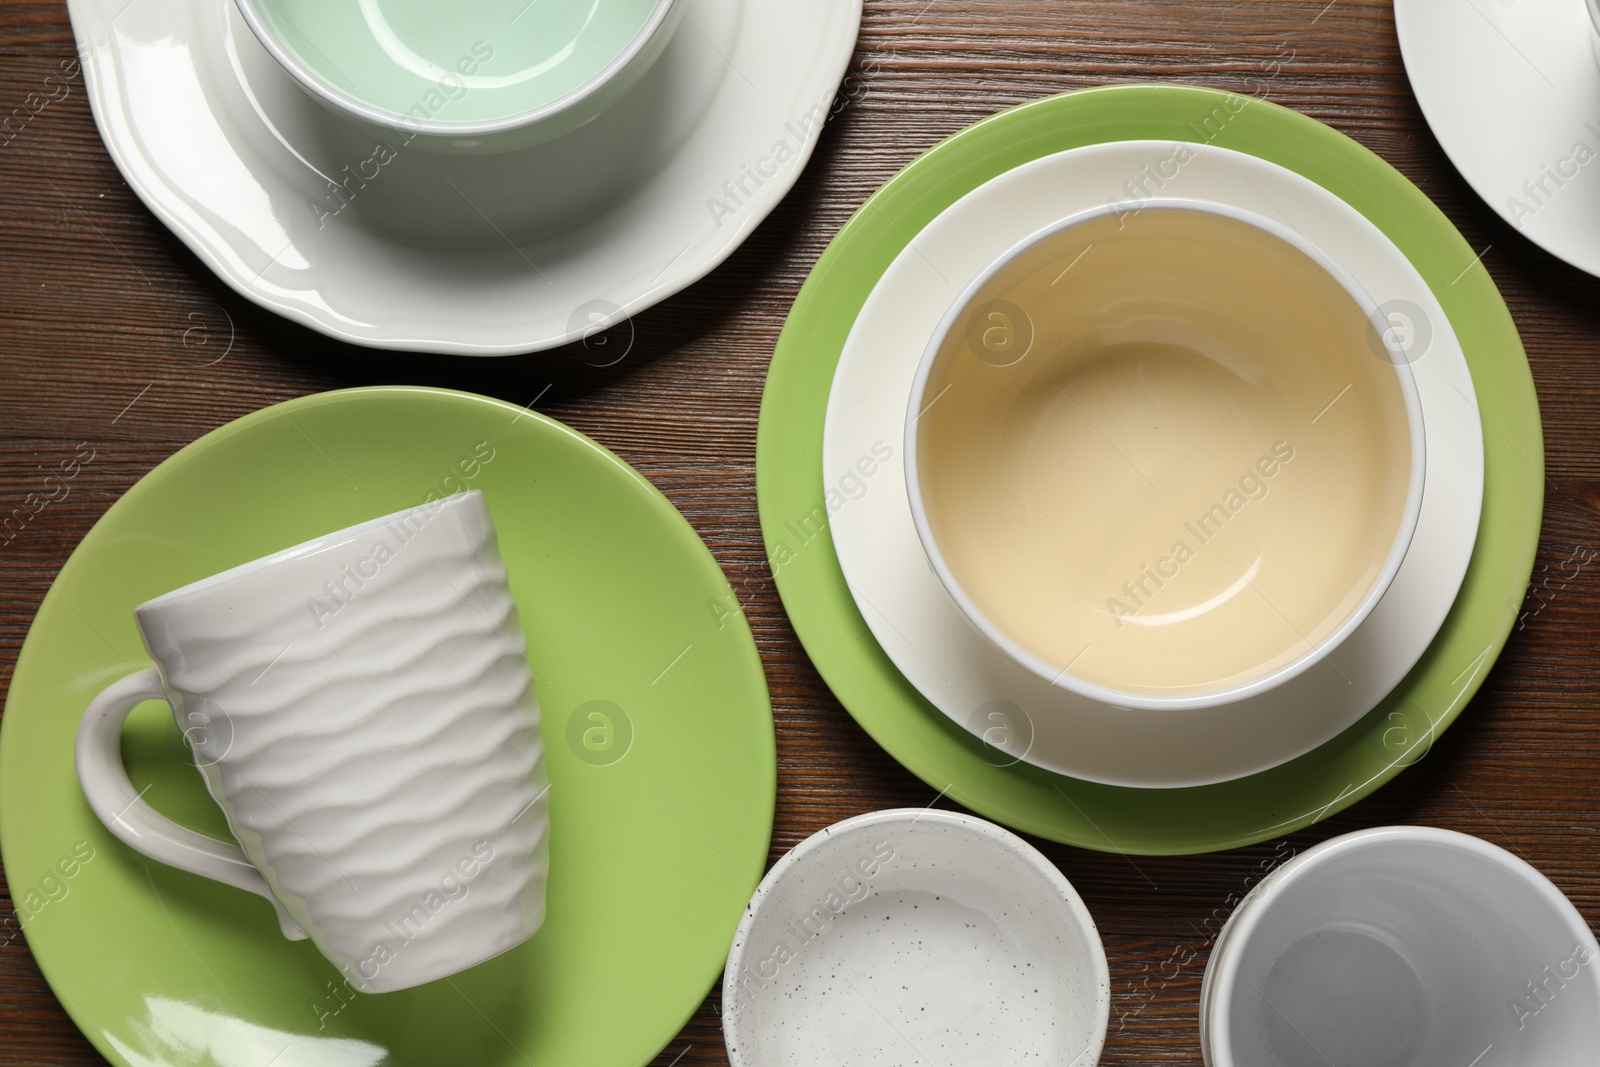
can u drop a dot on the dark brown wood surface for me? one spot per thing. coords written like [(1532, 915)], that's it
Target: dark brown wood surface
[(99, 304)]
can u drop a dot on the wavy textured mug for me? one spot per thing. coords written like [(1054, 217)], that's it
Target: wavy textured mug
[(362, 710)]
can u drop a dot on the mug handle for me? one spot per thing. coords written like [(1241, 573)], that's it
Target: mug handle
[(139, 826)]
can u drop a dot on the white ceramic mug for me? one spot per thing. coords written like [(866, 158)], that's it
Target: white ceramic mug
[(362, 710), (1403, 946)]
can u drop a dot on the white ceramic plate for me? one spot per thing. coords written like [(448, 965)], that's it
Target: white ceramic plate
[(1512, 90), (923, 631), (911, 937), (396, 247)]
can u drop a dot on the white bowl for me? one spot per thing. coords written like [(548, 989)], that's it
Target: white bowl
[(1403, 946), (912, 936), (940, 350)]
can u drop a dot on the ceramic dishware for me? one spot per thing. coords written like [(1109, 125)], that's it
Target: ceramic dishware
[(1510, 90), (798, 512), (1015, 714), (306, 214), (655, 715), (473, 78), (1185, 396), (362, 710), (908, 933), (1403, 946)]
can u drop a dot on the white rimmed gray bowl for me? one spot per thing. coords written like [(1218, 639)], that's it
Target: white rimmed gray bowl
[(940, 349), (910, 936), (1403, 946)]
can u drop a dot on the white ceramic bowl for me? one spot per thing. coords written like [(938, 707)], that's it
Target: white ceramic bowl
[(915, 936), (421, 104), (940, 349), (1404, 946)]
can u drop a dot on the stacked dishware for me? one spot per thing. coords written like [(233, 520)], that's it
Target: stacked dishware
[(502, 178), (1124, 470), (1122, 467)]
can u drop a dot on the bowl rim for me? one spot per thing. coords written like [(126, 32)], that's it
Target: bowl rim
[(1216, 991), (1125, 698), (958, 822), (354, 106)]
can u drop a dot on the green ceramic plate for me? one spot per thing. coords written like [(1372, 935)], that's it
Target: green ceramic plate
[(660, 821), (1394, 735)]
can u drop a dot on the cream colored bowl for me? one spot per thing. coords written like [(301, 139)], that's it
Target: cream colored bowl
[(1165, 454)]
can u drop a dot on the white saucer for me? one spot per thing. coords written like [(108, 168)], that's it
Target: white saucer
[(231, 154), (1511, 90), (915, 937), (923, 631)]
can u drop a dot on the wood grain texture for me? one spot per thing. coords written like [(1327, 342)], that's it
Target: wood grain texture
[(110, 328)]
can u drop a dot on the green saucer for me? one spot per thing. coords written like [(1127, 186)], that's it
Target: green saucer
[(656, 725), (1395, 734)]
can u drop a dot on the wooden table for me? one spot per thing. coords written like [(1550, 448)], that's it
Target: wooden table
[(108, 324)]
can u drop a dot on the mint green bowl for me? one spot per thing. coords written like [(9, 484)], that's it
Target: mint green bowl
[(466, 76)]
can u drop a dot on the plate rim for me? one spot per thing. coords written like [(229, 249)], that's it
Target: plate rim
[(1404, 12), (913, 196)]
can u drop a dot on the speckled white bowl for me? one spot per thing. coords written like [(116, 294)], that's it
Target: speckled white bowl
[(913, 936)]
